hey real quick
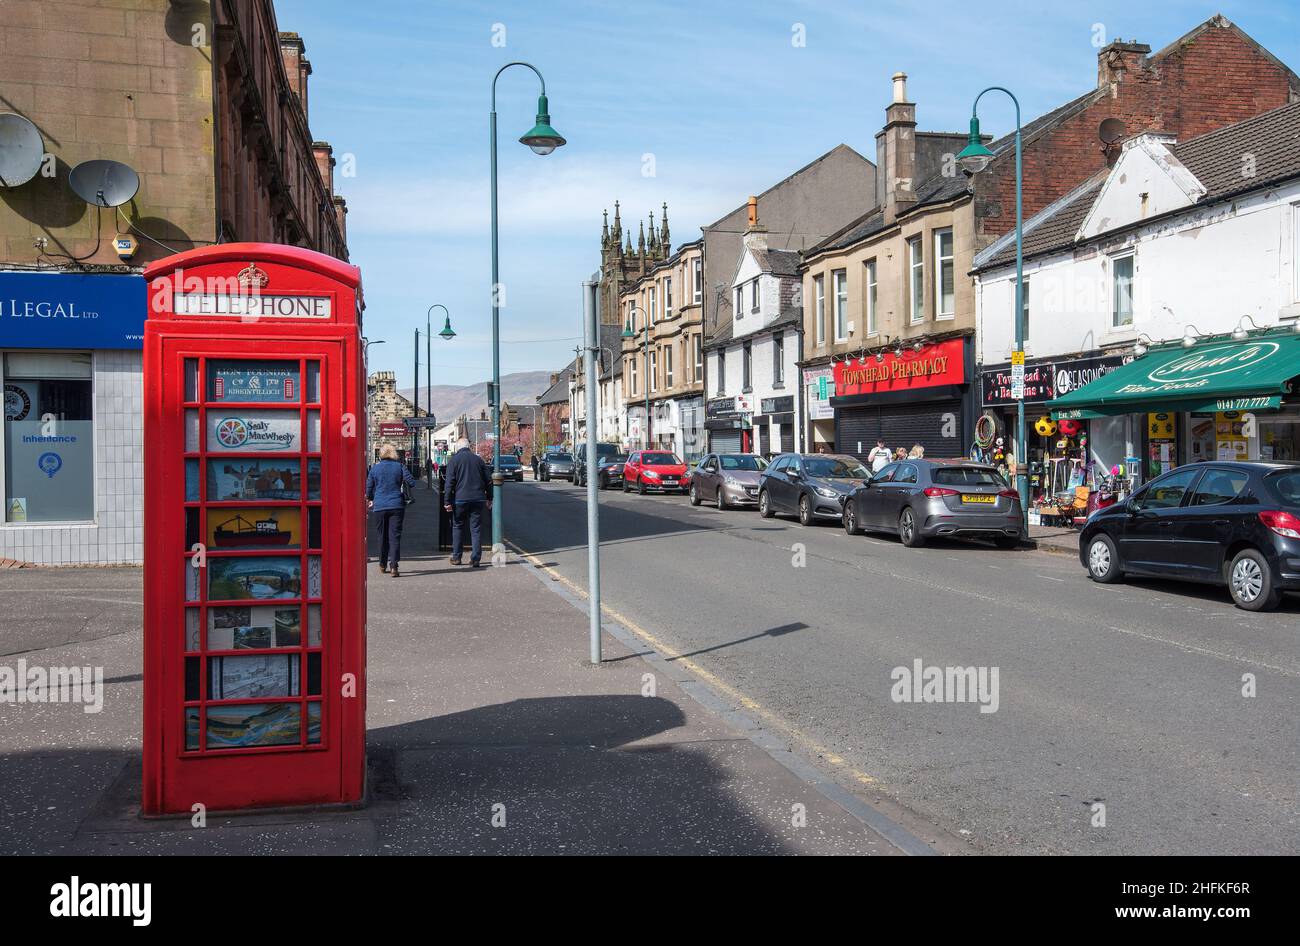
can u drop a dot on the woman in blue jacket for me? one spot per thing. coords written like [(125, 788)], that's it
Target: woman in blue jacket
[(384, 495)]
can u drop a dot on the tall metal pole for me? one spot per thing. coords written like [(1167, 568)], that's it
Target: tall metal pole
[(415, 397), (497, 544), (647, 383), (592, 333), (428, 387)]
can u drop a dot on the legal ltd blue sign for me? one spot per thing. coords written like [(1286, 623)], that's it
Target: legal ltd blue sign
[(71, 310)]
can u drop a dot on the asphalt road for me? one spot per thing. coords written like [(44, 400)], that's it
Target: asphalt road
[(1127, 696)]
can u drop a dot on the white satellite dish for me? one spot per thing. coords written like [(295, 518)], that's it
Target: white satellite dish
[(21, 150), (104, 183)]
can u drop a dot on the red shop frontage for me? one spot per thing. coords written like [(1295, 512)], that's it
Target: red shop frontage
[(907, 396), (254, 531)]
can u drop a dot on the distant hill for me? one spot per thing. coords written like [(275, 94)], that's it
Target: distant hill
[(450, 400)]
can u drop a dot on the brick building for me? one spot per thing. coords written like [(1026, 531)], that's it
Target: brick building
[(207, 102)]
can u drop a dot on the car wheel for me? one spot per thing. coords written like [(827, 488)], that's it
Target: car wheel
[(805, 511), (626, 486), (695, 495), (908, 533), (1103, 560), (602, 482), (640, 486), (851, 519), (720, 498), (1250, 580), (765, 505)]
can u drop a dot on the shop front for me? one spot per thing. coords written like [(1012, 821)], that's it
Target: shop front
[(907, 398), (728, 422), (1062, 457), (70, 454), (1220, 399), (774, 428), (819, 388)]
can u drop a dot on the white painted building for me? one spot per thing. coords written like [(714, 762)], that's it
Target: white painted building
[(755, 362), (1190, 247)]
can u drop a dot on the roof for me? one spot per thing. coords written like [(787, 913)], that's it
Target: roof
[(777, 262), (558, 392), (1214, 158), (789, 177)]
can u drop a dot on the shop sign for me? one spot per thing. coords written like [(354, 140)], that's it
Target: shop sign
[(1196, 369), (72, 310), (932, 366), (1045, 380), (724, 408), (778, 405), (820, 385), (393, 430)]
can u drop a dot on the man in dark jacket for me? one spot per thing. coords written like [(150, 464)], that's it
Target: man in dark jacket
[(466, 483), (384, 485)]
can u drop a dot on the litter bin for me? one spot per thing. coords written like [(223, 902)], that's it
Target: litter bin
[(444, 517)]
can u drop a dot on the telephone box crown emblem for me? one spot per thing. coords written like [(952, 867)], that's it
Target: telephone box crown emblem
[(253, 277)]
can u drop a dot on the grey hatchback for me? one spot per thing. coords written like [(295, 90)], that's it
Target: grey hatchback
[(919, 499)]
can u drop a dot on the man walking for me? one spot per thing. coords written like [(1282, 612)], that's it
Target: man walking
[(465, 494)]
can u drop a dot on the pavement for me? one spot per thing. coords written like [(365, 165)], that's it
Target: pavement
[(488, 732), (1147, 717)]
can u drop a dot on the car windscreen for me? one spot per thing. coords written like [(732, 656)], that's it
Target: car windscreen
[(742, 462), (1286, 486), (507, 460), (660, 459), (560, 457), (835, 468), (620, 458), (965, 476)]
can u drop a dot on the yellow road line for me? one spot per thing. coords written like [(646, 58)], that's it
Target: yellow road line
[(711, 679)]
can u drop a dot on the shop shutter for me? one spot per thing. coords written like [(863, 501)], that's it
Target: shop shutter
[(724, 441), (787, 438), (902, 425)]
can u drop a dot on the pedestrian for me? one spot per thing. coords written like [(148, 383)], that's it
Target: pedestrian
[(534, 466), (879, 456), (465, 495), (918, 452), (900, 454), (385, 499)]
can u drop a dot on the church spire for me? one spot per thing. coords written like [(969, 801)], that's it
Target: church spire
[(604, 230), (664, 239), (618, 226)]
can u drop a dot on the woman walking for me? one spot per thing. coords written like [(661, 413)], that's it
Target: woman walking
[(384, 497)]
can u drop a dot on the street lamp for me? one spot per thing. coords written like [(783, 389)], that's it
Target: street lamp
[(542, 139), (974, 158), (628, 333), (446, 334)]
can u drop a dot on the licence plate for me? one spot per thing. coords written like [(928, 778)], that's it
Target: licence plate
[(973, 498), (670, 482)]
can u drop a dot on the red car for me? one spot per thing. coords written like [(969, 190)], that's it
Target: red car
[(655, 469)]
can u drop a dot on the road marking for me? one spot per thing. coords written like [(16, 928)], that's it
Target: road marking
[(1050, 578), (711, 679)]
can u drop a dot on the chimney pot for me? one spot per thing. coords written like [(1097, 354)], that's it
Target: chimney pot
[(753, 211), (900, 86)]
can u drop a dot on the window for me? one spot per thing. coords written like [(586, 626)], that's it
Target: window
[(841, 284), (699, 280), (753, 295), (916, 269), (819, 292), (722, 372), (944, 304), (746, 368), (654, 370), (906, 474), (48, 437), (778, 358), (654, 313), (1024, 308), (1219, 486), (668, 297), (872, 327), (740, 302), (1121, 280), (668, 365), (632, 362), (699, 357), (1167, 493)]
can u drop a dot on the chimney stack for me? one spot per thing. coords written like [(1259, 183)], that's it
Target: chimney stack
[(896, 153), (1118, 58), (755, 237)]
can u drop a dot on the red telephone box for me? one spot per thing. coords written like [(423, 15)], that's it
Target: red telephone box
[(254, 530)]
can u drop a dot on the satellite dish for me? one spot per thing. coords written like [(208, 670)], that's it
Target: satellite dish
[(1110, 130), (104, 183), (21, 150)]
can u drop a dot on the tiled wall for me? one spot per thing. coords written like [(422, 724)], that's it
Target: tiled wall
[(116, 536)]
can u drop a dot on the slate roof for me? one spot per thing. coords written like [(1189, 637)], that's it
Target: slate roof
[(1052, 228), (777, 262), (558, 392)]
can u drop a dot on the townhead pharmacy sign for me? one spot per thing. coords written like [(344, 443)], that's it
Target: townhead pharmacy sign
[(71, 310)]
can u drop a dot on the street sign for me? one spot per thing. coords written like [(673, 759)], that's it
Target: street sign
[(1017, 375), (412, 422), (1018, 358)]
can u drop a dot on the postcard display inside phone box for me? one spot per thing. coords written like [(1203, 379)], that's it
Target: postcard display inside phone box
[(254, 531)]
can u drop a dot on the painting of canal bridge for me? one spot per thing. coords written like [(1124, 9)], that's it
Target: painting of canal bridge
[(260, 578)]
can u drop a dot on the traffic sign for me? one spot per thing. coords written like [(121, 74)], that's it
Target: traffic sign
[(412, 422)]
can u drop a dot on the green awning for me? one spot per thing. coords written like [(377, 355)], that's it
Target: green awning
[(1251, 374)]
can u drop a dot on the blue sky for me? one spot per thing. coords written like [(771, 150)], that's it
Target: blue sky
[(717, 92)]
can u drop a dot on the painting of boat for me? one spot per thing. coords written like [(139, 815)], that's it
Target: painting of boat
[(237, 532)]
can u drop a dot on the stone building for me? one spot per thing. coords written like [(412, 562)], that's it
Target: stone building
[(207, 102), (385, 406)]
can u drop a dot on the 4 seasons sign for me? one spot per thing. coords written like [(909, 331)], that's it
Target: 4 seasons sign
[(1046, 379)]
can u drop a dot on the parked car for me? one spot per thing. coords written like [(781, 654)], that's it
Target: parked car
[(655, 469), (609, 471), (555, 466), (810, 485), (727, 479), (919, 499), (1234, 524), (511, 468)]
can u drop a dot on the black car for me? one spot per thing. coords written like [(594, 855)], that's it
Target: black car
[(810, 485), (555, 466), (1224, 523), (920, 499), (511, 468), (609, 471)]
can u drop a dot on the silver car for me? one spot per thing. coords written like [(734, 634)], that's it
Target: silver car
[(727, 479), (919, 499)]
